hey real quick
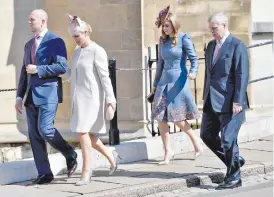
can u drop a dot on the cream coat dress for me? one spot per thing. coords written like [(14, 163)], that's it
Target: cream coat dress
[(90, 89)]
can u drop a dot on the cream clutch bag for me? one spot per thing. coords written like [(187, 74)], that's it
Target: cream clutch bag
[(109, 114)]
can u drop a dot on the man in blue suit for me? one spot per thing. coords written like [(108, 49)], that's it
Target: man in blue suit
[(45, 58), (226, 80)]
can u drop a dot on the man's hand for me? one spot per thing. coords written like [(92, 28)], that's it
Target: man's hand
[(31, 69), (237, 108), (191, 76), (18, 106)]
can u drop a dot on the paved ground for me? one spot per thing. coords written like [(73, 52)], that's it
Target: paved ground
[(146, 178), (253, 186)]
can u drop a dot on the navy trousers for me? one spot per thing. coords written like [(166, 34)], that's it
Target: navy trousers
[(225, 145), (41, 130)]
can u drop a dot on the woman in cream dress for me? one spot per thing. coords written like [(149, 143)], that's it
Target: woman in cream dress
[(90, 88)]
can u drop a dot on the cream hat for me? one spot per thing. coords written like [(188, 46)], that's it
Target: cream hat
[(77, 26)]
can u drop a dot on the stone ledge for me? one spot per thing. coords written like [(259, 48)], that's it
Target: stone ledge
[(11, 133), (129, 130), (262, 27)]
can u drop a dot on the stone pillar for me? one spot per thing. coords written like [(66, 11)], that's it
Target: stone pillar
[(262, 57), (13, 36)]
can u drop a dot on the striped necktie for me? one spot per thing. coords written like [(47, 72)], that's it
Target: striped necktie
[(33, 49), (217, 48)]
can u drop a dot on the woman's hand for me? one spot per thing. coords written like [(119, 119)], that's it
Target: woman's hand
[(191, 76), (153, 89)]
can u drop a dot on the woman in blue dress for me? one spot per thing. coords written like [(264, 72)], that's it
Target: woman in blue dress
[(173, 101)]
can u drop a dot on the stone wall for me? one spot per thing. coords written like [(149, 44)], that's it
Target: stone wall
[(116, 27), (17, 151), (13, 36), (125, 28)]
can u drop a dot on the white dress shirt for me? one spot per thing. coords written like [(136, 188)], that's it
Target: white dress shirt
[(40, 37)]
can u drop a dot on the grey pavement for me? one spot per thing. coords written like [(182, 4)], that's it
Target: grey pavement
[(146, 178), (253, 186)]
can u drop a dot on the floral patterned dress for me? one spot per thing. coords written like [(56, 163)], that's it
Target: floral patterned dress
[(173, 100)]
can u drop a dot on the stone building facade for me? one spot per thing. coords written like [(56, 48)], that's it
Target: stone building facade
[(125, 28)]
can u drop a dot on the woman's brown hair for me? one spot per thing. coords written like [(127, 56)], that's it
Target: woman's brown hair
[(176, 27)]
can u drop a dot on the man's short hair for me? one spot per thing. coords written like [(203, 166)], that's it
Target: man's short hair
[(219, 18)]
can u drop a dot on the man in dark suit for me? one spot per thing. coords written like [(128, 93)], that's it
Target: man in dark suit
[(45, 58), (226, 80)]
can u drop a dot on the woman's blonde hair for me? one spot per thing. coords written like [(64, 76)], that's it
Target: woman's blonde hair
[(176, 27), (87, 28)]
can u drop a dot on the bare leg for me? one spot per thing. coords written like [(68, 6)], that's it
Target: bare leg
[(98, 145), (164, 131), (86, 150), (184, 126)]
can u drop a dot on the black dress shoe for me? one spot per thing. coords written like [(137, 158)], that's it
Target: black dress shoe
[(72, 164), (230, 185), (43, 179), (242, 161)]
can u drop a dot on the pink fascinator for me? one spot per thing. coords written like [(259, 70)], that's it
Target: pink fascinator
[(162, 16), (76, 25)]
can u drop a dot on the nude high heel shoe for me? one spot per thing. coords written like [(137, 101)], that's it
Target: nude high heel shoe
[(115, 157), (86, 180), (169, 157), (201, 150)]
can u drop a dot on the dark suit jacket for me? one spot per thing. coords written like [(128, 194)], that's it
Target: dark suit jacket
[(51, 59), (226, 79)]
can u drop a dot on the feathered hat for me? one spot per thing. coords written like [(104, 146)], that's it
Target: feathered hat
[(76, 25), (162, 16)]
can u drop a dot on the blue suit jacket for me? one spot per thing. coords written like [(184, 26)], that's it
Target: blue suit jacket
[(51, 60), (226, 78)]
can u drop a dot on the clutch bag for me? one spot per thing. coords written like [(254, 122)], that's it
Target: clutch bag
[(109, 113), (150, 97)]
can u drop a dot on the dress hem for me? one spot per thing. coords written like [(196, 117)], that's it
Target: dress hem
[(194, 117)]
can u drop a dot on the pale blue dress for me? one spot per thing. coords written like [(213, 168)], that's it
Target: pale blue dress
[(173, 100)]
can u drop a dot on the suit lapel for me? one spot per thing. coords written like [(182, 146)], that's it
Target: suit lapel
[(224, 47), (45, 39), (28, 52), (28, 60)]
